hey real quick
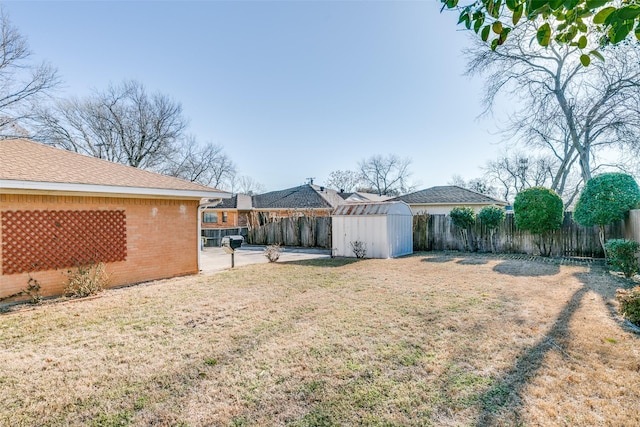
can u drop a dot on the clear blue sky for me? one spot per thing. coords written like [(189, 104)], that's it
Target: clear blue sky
[(290, 89)]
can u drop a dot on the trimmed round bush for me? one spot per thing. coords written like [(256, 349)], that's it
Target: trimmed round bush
[(538, 210), (606, 198), (621, 256), (462, 217), (491, 216)]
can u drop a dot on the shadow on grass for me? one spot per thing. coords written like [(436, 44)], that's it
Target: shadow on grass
[(472, 261), (526, 269), (506, 395), (506, 398), (324, 262), (437, 259)]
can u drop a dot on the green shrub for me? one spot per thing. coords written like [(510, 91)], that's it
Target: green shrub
[(491, 217), (540, 211), (606, 198), (86, 280), (463, 218), (630, 304), (621, 255)]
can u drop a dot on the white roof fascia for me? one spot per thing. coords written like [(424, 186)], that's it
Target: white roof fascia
[(108, 189), (453, 203)]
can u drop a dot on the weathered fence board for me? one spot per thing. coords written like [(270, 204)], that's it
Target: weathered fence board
[(437, 232), (632, 226), (301, 231)]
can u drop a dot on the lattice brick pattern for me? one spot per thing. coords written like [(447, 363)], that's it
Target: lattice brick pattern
[(50, 240)]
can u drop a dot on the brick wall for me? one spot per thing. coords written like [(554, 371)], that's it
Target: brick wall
[(161, 238), (232, 219)]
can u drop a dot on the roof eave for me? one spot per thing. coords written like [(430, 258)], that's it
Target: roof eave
[(17, 186), (455, 203)]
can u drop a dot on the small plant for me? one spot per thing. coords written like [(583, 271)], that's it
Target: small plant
[(359, 249), (621, 256), (86, 280), (32, 290), (629, 300), (272, 252)]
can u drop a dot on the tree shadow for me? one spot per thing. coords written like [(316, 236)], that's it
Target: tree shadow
[(472, 261), (437, 259), (506, 395), (519, 268), (324, 262)]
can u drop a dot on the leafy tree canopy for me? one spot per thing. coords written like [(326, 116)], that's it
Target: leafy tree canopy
[(538, 210), (462, 217), (606, 198), (491, 216), (585, 24)]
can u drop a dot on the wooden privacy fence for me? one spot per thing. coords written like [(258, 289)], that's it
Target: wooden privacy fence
[(305, 231), (632, 226), (437, 232), (213, 236)]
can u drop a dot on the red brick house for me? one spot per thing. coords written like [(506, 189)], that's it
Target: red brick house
[(230, 213), (60, 209), (241, 213)]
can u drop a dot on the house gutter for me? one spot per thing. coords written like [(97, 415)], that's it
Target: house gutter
[(19, 186), (201, 208)]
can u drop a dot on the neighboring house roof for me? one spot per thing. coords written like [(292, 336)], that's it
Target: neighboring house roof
[(239, 201), (373, 208), (360, 196), (448, 195), (306, 196), (28, 165)]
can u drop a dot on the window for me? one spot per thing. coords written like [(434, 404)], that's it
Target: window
[(224, 217), (210, 217)]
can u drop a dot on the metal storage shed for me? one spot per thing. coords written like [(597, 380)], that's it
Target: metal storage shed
[(384, 228)]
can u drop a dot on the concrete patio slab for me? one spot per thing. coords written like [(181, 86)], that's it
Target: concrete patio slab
[(216, 259)]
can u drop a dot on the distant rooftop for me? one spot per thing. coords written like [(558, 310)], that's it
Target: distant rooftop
[(448, 194), (302, 197)]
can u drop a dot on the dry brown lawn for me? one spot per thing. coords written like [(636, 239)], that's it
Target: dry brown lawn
[(432, 339)]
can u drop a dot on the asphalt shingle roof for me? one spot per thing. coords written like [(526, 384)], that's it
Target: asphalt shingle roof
[(447, 194), (24, 160), (239, 201), (302, 197)]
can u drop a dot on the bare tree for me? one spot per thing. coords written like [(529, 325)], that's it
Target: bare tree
[(243, 184), (123, 124), (206, 164), (479, 185), (386, 176), (574, 112), (514, 172), (22, 84), (343, 180)]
